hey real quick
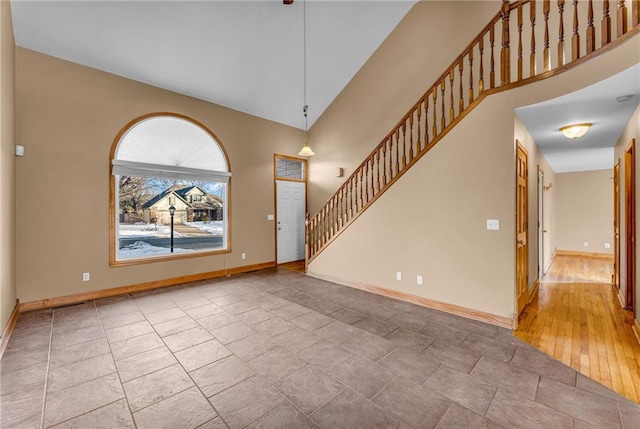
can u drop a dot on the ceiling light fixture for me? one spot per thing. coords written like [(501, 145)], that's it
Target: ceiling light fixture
[(624, 98), (575, 131), (306, 150)]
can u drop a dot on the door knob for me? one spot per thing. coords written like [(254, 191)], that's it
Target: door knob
[(279, 229), (520, 242)]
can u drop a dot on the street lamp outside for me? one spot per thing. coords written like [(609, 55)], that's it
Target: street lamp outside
[(172, 212)]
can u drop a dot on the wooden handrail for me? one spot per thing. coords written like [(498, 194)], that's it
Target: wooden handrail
[(462, 86)]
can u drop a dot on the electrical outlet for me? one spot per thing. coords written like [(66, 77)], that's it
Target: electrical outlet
[(607, 245), (86, 277), (419, 280), (586, 244), (398, 275), (244, 256)]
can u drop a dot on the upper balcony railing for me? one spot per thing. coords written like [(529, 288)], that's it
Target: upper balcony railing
[(483, 67)]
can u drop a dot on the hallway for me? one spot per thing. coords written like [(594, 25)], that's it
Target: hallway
[(576, 318)]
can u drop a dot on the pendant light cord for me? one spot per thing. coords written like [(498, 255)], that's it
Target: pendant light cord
[(304, 64)]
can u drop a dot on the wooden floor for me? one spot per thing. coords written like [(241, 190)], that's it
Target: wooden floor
[(577, 318), (297, 266)]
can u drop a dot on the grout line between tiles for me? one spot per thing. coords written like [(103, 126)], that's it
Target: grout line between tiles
[(46, 377)]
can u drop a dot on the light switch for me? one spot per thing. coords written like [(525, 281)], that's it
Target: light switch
[(19, 150), (493, 224), (270, 217)]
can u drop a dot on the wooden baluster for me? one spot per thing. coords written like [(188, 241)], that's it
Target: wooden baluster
[(384, 163), (372, 188), (546, 8), (359, 183), (520, 23), (606, 23), (390, 158), (435, 121), (419, 144), (365, 182), (575, 39), (426, 120), (461, 100), (411, 136), (331, 216), (404, 143), (451, 109), (470, 76), (378, 168), (505, 54), (532, 56), (351, 199), (591, 30), (481, 71), (635, 12), (397, 150), (561, 34), (442, 120), (622, 18), (492, 72)]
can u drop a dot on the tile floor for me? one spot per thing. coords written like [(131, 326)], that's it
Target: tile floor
[(277, 349)]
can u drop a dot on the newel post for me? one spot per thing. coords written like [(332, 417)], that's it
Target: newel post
[(505, 57)]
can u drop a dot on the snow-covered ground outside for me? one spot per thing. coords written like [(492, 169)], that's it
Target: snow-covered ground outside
[(213, 227), (142, 229), (140, 249)]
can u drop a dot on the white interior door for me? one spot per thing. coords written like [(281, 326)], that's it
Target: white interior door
[(540, 224), (290, 205)]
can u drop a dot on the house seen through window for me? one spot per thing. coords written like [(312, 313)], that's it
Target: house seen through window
[(170, 180)]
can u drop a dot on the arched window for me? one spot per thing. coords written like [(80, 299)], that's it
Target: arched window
[(169, 191)]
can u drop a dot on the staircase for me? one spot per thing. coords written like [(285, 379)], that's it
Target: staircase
[(482, 69)]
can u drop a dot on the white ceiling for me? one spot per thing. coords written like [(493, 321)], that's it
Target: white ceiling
[(246, 55), (596, 104)]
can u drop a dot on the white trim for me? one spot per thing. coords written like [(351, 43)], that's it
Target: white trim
[(140, 169)]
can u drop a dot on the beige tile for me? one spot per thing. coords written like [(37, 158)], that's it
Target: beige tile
[(246, 402), (132, 346), (461, 388), (517, 412), (122, 319), (23, 410), (276, 364), (188, 409), (77, 400), (65, 339), (350, 410), (252, 346), (220, 375), (151, 388), (114, 415), (286, 416), (165, 315), (128, 331), (144, 363), (174, 326), (309, 388), (186, 339), (202, 354), (63, 377), (78, 352)]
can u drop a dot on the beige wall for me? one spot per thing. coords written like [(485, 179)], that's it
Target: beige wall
[(584, 211), (390, 82), (7, 167), (68, 117), (432, 222), (632, 131)]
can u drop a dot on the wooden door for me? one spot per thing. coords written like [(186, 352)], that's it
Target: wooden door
[(522, 229), (630, 221), (290, 206), (616, 226)]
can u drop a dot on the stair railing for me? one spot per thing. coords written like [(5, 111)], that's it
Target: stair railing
[(468, 80)]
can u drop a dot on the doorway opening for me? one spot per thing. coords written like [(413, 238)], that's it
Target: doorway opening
[(290, 178), (630, 221)]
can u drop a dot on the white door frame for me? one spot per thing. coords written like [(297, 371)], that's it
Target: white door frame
[(275, 193)]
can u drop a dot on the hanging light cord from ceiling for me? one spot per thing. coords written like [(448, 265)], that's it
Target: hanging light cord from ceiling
[(306, 150)]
